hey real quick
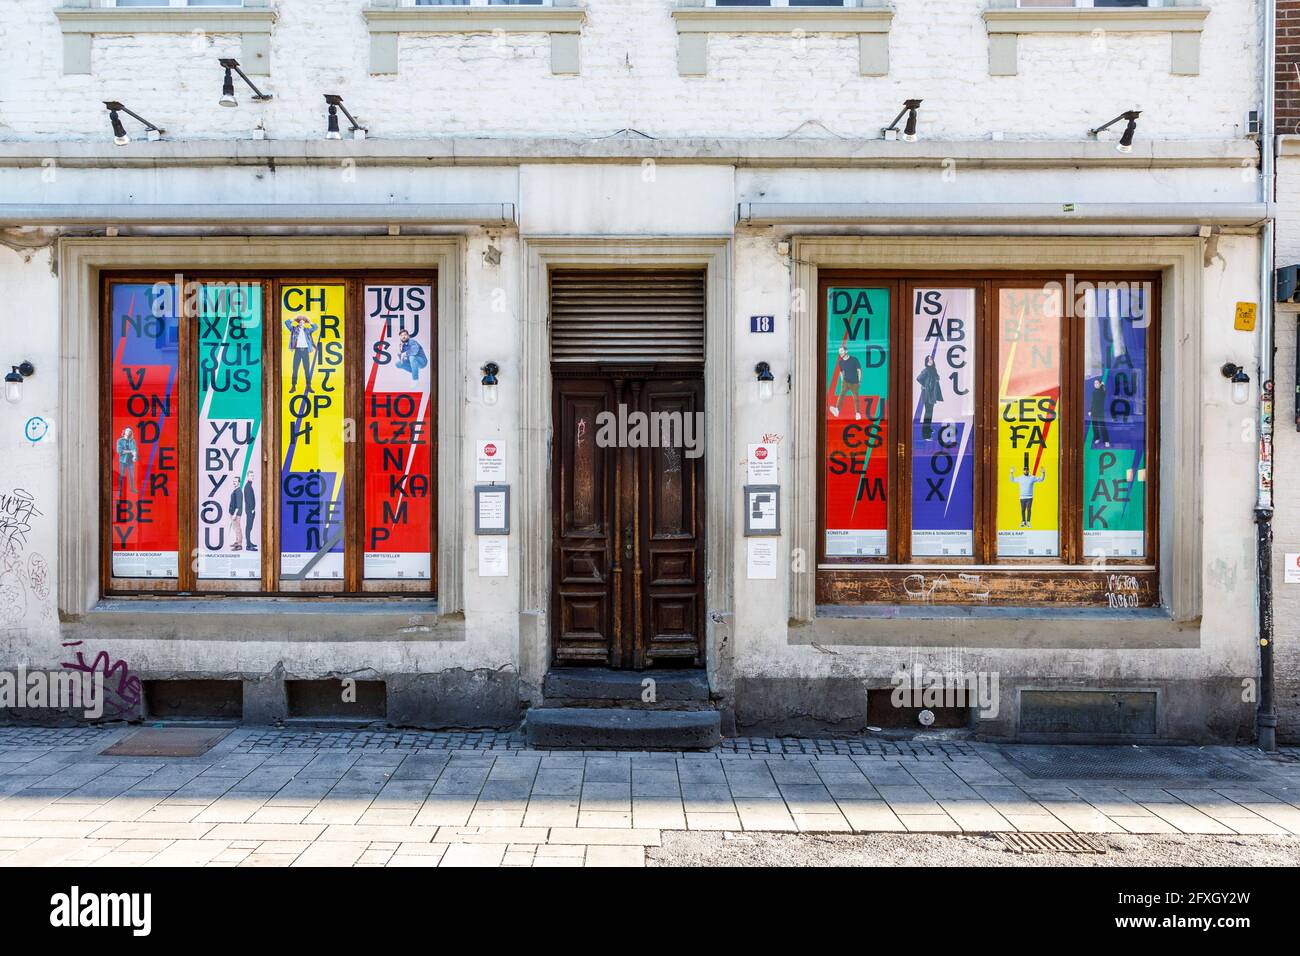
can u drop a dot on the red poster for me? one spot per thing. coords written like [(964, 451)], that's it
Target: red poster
[(144, 434), (398, 432)]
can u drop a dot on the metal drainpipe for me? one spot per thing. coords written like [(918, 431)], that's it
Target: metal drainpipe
[(1266, 718)]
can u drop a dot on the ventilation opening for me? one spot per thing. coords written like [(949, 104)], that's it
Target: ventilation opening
[(627, 317), (1089, 712), (337, 700), (194, 699), (881, 712)]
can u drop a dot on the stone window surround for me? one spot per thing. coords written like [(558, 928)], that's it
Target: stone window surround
[(694, 23), (1005, 23), (1179, 262), (541, 254), (81, 262), (386, 21), (80, 23)]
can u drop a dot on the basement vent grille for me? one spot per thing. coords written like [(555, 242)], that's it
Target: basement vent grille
[(1050, 843), (605, 317)]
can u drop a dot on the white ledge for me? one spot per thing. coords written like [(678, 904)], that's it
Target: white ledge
[(759, 19), (1183, 24), (474, 19), (513, 150), (226, 214), (79, 25), (830, 213), (1087, 19), (695, 23), (387, 24)]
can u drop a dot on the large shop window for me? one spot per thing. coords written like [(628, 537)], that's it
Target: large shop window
[(269, 434), (988, 439)]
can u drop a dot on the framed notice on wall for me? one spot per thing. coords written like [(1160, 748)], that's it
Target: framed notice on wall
[(491, 509)]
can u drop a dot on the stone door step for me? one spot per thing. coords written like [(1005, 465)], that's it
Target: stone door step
[(604, 728)]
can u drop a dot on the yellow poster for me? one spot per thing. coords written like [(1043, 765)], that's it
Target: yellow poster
[(1029, 395), (311, 432)]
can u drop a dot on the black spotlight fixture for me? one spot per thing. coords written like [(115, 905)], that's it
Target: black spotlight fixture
[(119, 131), (1125, 144), (332, 129), (228, 84), (908, 133)]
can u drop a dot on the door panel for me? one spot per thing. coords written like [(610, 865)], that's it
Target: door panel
[(671, 526), (583, 473), (628, 552)]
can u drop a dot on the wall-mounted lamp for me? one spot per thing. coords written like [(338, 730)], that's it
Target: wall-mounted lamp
[(14, 382), (228, 84), (332, 128), (1125, 144), (119, 131), (909, 109), (1235, 374), (765, 379), (489, 383)]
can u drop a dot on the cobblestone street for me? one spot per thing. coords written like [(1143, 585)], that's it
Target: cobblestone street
[(289, 797)]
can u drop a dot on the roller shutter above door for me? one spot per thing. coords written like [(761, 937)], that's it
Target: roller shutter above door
[(602, 317)]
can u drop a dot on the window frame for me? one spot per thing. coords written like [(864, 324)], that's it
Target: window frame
[(171, 4), (268, 585), (1076, 578)]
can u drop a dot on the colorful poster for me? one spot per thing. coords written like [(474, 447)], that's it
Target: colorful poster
[(312, 444), (857, 422), (1115, 416), (943, 422), (144, 431), (399, 384), (1029, 394), (229, 484)]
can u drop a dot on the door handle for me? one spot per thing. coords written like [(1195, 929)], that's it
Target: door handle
[(627, 541)]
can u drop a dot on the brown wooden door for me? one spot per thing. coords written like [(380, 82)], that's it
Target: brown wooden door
[(628, 550)]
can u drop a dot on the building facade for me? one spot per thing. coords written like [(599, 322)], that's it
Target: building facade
[(630, 337)]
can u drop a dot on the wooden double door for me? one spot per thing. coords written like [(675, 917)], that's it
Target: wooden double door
[(628, 539)]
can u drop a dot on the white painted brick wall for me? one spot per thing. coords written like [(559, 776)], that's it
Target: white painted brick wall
[(761, 85)]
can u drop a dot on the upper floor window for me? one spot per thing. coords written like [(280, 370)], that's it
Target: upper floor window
[(1094, 3), (784, 3), (482, 3), (175, 3), (269, 434)]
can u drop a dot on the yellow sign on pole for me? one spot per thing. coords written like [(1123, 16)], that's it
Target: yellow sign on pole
[(1245, 321)]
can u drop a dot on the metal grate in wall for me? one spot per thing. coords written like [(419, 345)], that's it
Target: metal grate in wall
[(627, 317)]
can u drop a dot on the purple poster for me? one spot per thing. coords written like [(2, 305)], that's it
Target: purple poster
[(943, 418)]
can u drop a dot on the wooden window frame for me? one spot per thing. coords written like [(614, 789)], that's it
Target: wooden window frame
[(1072, 579), (187, 584)]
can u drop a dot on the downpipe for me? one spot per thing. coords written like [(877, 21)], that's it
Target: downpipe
[(1266, 715)]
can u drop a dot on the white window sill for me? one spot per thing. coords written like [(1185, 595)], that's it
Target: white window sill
[(80, 25), (1184, 25), (386, 24), (694, 24)]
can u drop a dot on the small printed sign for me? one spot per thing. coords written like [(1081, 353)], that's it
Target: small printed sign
[(762, 323), (493, 558), (762, 464), (1292, 569), (761, 564), (490, 465), (491, 509), (1245, 320)]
